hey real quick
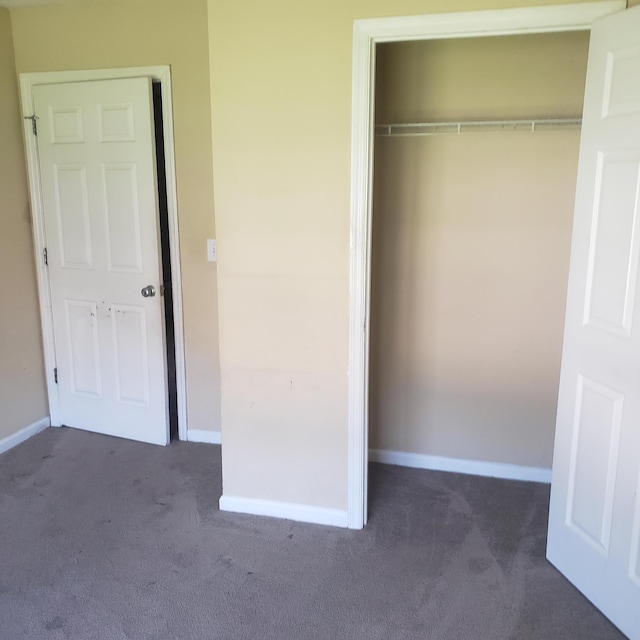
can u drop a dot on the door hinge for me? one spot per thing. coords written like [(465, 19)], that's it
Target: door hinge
[(46, 256), (34, 124), (55, 375)]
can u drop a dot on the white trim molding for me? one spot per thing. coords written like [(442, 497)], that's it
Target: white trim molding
[(457, 465), (287, 510), (366, 35), (13, 440), (160, 74), (201, 435)]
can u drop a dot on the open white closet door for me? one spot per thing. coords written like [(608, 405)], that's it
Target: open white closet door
[(96, 153), (594, 518)]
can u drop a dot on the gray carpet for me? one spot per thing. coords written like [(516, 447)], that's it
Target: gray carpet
[(109, 539)]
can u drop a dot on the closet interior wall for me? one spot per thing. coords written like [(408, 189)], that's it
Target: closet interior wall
[(471, 240)]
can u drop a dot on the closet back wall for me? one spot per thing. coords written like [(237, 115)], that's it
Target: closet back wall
[(471, 247)]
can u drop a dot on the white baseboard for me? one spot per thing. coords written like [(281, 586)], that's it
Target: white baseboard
[(8, 442), (471, 467), (287, 510), (200, 435)]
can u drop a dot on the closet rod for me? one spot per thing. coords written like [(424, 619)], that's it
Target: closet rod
[(430, 128)]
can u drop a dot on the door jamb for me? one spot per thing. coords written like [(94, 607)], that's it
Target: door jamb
[(366, 35), (163, 75)]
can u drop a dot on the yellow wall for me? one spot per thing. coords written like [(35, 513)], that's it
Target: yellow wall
[(22, 386), (122, 33), (281, 109), (471, 247)]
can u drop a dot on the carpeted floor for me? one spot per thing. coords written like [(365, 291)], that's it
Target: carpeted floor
[(108, 539)]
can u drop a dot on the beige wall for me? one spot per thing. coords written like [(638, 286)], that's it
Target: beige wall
[(22, 386), (471, 247), (281, 109), (122, 33)]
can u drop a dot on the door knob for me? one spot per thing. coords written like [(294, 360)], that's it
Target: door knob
[(149, 291)]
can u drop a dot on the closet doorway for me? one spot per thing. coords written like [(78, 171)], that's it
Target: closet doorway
[(476, 154), (368, 36)]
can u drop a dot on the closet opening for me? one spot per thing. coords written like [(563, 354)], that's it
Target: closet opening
[(475, 162)]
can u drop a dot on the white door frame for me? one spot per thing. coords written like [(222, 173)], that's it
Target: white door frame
[(366, 35), (163, 75)]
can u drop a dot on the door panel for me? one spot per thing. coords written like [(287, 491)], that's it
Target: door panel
[(122, 215), (622, 90), (130, 339), (97, 164), (82, 335), (65, 125), (116, 123), (594, 513), (613, 255), (594, 457), (72, 216)]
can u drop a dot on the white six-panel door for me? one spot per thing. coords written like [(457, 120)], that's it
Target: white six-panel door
[(97, 167), (594, 519)]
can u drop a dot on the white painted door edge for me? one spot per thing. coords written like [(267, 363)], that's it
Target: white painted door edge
[(163, 75), (366, 34), (459, 465), (14, 439)]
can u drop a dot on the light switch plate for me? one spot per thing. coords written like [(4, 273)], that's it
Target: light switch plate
[(211, 250)]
